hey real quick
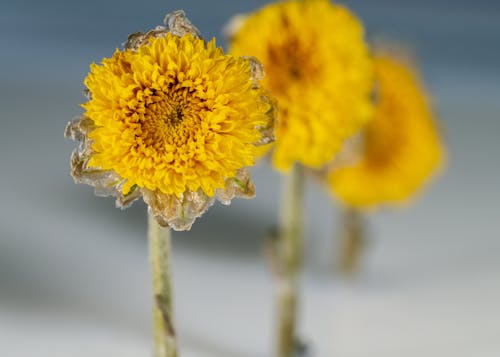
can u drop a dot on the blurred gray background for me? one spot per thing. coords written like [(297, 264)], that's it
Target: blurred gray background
[(74, 276)]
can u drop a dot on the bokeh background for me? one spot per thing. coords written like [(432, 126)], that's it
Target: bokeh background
[(74, 276)]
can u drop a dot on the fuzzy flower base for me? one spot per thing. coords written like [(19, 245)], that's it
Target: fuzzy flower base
[(173, 119)]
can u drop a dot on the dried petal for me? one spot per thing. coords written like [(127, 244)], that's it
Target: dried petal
[(178, 24), (177, 212), (138, 39), (272, 114), (239, 186), (256, 68), (78, 128), (124, 201)]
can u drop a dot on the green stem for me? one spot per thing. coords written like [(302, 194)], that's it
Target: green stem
[(290, 261), (165, 344), (352, 241)]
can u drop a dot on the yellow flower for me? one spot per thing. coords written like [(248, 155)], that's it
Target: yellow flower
[(318, 67), (401, 145), (173, 119)]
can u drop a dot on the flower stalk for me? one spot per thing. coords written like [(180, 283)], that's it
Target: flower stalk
[(290, 262), (352, 241), (165, 344)]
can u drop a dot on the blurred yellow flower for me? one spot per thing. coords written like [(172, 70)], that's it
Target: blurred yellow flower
[(318, 67), (400, 146), (172, 118)]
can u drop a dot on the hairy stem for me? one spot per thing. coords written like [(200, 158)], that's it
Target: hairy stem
[(290, 257), (165, 344), (352, 241)]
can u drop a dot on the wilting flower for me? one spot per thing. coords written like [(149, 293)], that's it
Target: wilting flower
[(173, 119), (318, 66), (399, 149)]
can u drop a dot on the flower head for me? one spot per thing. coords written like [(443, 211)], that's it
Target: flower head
[(318, 67), (400, 147), (174, 119)]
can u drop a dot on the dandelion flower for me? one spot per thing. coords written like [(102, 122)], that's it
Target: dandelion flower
[(401, 146), (318, 66), (173, 119)]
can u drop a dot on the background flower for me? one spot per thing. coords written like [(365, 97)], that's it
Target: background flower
[(399, 149), (318, 67)]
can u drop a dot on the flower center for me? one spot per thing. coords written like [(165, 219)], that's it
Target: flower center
[(170, 118), (174, 116)]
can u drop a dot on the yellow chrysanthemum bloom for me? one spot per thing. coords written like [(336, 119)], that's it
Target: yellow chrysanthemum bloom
[(400, 146), (318, 67), (172, 118)]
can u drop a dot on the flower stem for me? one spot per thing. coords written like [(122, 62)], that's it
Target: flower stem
[(352, 241), (290, 261), (165, 344)]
